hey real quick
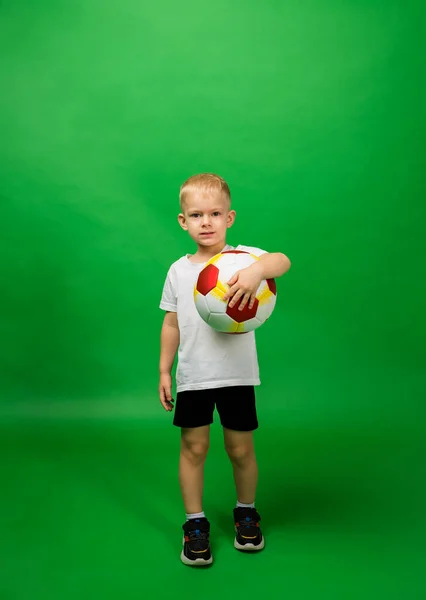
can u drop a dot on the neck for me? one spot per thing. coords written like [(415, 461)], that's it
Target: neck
[(204, 254)]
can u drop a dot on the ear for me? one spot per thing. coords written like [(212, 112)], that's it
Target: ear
[(182, 221), (230, 219)]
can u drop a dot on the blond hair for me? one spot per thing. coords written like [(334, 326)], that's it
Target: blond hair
[(208, 182)]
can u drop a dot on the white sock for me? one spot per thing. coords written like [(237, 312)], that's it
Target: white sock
[(241, 505), (200, 515)]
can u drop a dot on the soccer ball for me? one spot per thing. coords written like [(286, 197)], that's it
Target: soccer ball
[(212, 285)]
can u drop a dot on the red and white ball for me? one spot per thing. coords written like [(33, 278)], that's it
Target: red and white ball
[(212, 286)]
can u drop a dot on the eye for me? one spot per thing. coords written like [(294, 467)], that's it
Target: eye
[(216, 213), (195, 215)]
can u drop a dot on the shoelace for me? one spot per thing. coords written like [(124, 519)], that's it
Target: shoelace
[(198, 540), (247, 523), (197, 535)]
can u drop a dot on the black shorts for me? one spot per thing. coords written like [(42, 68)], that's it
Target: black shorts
[(236, 406)]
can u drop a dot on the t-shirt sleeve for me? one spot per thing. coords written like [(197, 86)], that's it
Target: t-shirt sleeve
[(169, 295), (252, 250)]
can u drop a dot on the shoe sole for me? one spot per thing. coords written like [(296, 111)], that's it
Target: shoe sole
[(198, 562)]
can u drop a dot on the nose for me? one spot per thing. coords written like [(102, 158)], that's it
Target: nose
[(206, 219)]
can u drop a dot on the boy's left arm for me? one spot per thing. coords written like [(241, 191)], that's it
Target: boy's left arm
[(244, 284)]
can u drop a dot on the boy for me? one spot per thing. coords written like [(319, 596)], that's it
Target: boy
[(214, 369)]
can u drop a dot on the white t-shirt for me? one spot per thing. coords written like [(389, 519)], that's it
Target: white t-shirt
[(206, 358)]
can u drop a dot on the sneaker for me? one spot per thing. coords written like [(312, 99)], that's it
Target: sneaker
[(248, 534), (196, 544)]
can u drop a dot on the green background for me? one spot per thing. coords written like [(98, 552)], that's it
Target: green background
[(314, 114)]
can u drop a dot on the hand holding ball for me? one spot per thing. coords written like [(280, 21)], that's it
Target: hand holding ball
[(212, 286)]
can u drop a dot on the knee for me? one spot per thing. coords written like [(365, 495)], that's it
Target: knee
[(196, 452), (240, 454)]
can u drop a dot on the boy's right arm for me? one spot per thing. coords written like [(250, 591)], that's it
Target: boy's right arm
[(169, 344)]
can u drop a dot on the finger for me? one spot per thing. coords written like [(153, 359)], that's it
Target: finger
[(244, 301), (236, 298), (252, 301), (229, 294), (168, 406), (163, 398), (169, 399), (233, 279), (232, 289)]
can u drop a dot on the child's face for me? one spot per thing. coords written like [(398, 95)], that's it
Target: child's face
[(206, 217)]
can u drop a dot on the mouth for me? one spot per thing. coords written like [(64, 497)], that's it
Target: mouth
[(207, 233)]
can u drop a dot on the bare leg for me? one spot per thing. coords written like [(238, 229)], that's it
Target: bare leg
[(240, 449), (193, 453)]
